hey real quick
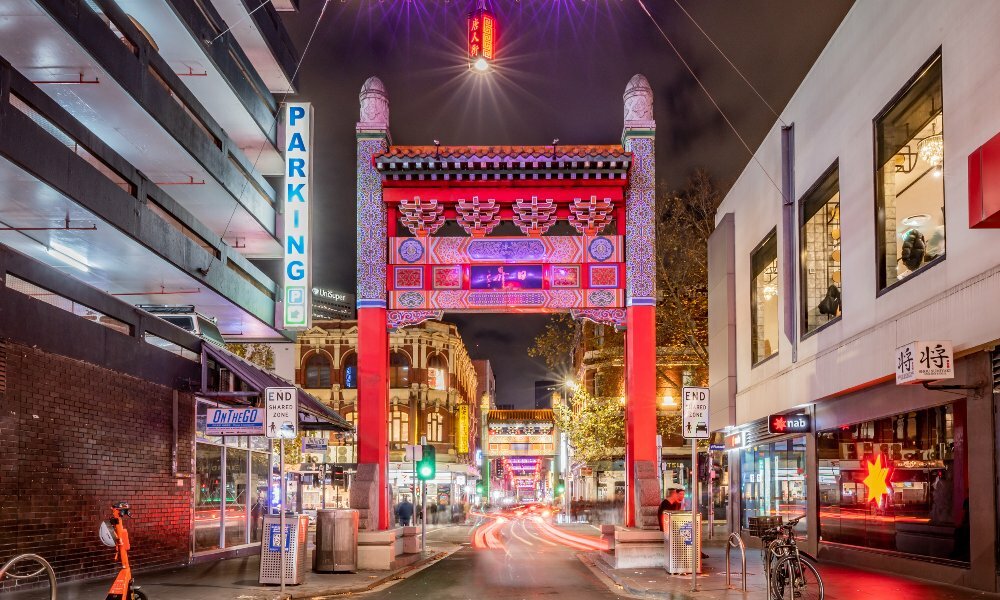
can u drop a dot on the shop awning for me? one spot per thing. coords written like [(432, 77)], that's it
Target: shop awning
[(313, 414)]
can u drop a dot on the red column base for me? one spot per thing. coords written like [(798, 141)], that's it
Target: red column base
[(640, 409), (373, 401)]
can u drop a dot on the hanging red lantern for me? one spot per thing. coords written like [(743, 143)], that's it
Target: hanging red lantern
[(482, 36)]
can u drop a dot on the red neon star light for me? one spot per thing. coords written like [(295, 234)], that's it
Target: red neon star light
[(780, 424), (877, 479)]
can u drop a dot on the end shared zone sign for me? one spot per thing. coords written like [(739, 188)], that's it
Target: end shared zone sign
[(282, 414)]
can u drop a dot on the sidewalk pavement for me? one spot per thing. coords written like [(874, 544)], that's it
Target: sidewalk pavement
[(236, 579), (840, 582)]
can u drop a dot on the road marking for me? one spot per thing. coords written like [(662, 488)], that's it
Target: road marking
[(513, 531), (524, 525)]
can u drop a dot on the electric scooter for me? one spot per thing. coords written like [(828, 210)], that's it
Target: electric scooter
[(114, 534)]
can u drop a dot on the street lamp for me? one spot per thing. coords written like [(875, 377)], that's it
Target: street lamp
[(668, 401)]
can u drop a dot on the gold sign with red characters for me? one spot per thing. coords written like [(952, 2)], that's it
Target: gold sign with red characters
[(779, 424), (482, 38)]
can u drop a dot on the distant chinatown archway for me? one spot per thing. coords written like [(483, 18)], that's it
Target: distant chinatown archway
[(604, 271)]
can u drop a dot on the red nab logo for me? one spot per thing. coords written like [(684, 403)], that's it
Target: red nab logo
[(779, 424)]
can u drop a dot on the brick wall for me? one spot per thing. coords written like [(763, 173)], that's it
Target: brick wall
[(75, 437)]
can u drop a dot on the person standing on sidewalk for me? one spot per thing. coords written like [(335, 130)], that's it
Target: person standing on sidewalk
[(404, 512)]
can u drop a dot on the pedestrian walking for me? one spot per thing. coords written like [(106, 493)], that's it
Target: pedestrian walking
[(404, 511)]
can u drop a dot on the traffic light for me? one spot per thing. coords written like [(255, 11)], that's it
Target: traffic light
[(480, 489), (560, 487), (338, 475), (427, 465)]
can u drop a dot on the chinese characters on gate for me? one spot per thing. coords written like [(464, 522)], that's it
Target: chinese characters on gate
[(924, 361)]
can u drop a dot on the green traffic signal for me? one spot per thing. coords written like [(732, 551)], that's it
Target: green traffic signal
[(427, 465), (480, 488), (560, 487)]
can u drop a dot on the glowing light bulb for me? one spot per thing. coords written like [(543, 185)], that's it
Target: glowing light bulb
[(481, 65)]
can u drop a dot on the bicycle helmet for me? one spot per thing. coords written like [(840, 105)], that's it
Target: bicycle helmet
[(107, 534)]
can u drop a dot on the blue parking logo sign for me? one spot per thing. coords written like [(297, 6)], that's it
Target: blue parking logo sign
[(687, 534), (274, 538)]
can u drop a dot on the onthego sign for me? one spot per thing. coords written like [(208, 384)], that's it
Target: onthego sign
[(234, 421), (925, 361)]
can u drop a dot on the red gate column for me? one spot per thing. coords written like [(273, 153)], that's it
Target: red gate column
[(641, 460), (373, 338)]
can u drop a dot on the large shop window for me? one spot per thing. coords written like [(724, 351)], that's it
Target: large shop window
[(318, 371), (231, 488), (909, 140), (399, 370), (437, 372), (898, 483), (764, 299), (820, 239), (349, 371), (773, 480), (399, 425), (435, 427)]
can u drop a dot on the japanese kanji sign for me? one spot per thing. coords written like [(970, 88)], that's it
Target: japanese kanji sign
[(925, 361)]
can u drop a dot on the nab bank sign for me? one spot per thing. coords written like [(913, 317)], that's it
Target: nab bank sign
[(297, 299)]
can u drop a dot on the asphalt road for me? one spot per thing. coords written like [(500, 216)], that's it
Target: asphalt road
[(529, 564)]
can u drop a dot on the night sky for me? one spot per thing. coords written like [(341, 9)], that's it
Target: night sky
[(561, 71)]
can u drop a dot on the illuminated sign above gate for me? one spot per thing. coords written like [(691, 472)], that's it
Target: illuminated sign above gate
[(297, 274)]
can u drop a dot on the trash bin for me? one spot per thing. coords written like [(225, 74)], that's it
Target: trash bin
[(681, 542), (336, 541), (296, 533)]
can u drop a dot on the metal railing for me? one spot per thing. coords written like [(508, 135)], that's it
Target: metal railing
[(6, 570), (735, 541)]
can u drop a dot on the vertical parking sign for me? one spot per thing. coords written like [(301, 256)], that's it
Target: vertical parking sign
[(296, 299)]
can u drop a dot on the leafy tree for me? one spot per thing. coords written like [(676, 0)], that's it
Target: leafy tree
[(687, 219), (261, 355), (594, 424), (556, 343)]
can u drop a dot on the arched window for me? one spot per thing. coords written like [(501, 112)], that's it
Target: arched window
[(349, 371), (399, 424), (435, 427), (317, 371), (437, 372), (399, 370)]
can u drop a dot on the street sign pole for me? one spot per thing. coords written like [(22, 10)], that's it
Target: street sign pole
[(281, 420), (281, 511), (711, 499), (694, 426), (423, 502), (695, 529)]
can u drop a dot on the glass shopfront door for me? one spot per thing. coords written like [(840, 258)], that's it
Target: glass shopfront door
[(773, 481), (231, 494)]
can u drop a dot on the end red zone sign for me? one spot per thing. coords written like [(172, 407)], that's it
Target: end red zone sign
[(779, 424)]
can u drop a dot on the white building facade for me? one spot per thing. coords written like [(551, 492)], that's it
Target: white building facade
[(861, 225)]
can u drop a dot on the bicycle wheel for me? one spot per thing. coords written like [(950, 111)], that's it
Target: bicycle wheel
[(795, 579)]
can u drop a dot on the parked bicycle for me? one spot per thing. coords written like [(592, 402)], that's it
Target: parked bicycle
[(790, 576)]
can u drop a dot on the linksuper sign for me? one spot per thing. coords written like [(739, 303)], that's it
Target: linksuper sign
[(297, 299)]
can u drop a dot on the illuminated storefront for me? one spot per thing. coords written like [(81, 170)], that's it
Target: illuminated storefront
[(773, 480), (897, 483)]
